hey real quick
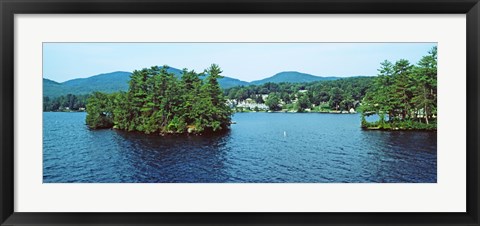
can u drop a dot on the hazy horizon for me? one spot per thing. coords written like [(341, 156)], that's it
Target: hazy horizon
[(243, 61)]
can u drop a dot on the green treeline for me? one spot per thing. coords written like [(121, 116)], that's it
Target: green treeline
[(68, 102), (322, 96), (404, 95), (158, 102)]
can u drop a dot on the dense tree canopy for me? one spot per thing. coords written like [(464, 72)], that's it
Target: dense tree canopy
[(336, 95), (68, 102), (405, 93), (159, 102), (273, 102)]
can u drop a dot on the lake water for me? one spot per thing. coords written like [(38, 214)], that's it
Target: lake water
[(260, 148)]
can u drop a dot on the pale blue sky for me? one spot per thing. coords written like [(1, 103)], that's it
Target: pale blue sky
[(244, 61)]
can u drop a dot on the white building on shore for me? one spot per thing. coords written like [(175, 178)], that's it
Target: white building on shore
[(248, 103)]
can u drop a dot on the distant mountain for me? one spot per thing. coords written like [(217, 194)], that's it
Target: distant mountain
[(49, 82), (292, 77), (108, 83), (118, 81), (111, 82), (52, 88), (227, 82)]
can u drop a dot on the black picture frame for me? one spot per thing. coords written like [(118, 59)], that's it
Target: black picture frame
[(9, 8)]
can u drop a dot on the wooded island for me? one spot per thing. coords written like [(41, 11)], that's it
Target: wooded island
[(158, 102), (404, 95)]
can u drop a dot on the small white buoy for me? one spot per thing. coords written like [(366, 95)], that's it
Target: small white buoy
[(284, 133)]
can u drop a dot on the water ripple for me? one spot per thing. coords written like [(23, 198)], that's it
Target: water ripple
[(260, 148)]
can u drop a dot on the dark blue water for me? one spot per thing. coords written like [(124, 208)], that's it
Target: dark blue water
[(261, 147)]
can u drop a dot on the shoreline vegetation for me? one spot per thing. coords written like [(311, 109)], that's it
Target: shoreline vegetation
[(403, 96), (157, 102)]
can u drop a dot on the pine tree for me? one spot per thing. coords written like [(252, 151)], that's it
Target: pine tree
[(158, 102), (99, 111)]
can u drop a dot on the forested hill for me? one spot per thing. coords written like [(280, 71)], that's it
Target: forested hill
[(292, 77), (118, 81), (109, 83)]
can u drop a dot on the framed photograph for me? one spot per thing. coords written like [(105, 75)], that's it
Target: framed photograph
[(239, 113)]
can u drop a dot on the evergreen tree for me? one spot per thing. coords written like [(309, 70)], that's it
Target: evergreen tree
[(336, 97), (405, 92), (426, 83), (158, 102), (99, 111), (303, 103)]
